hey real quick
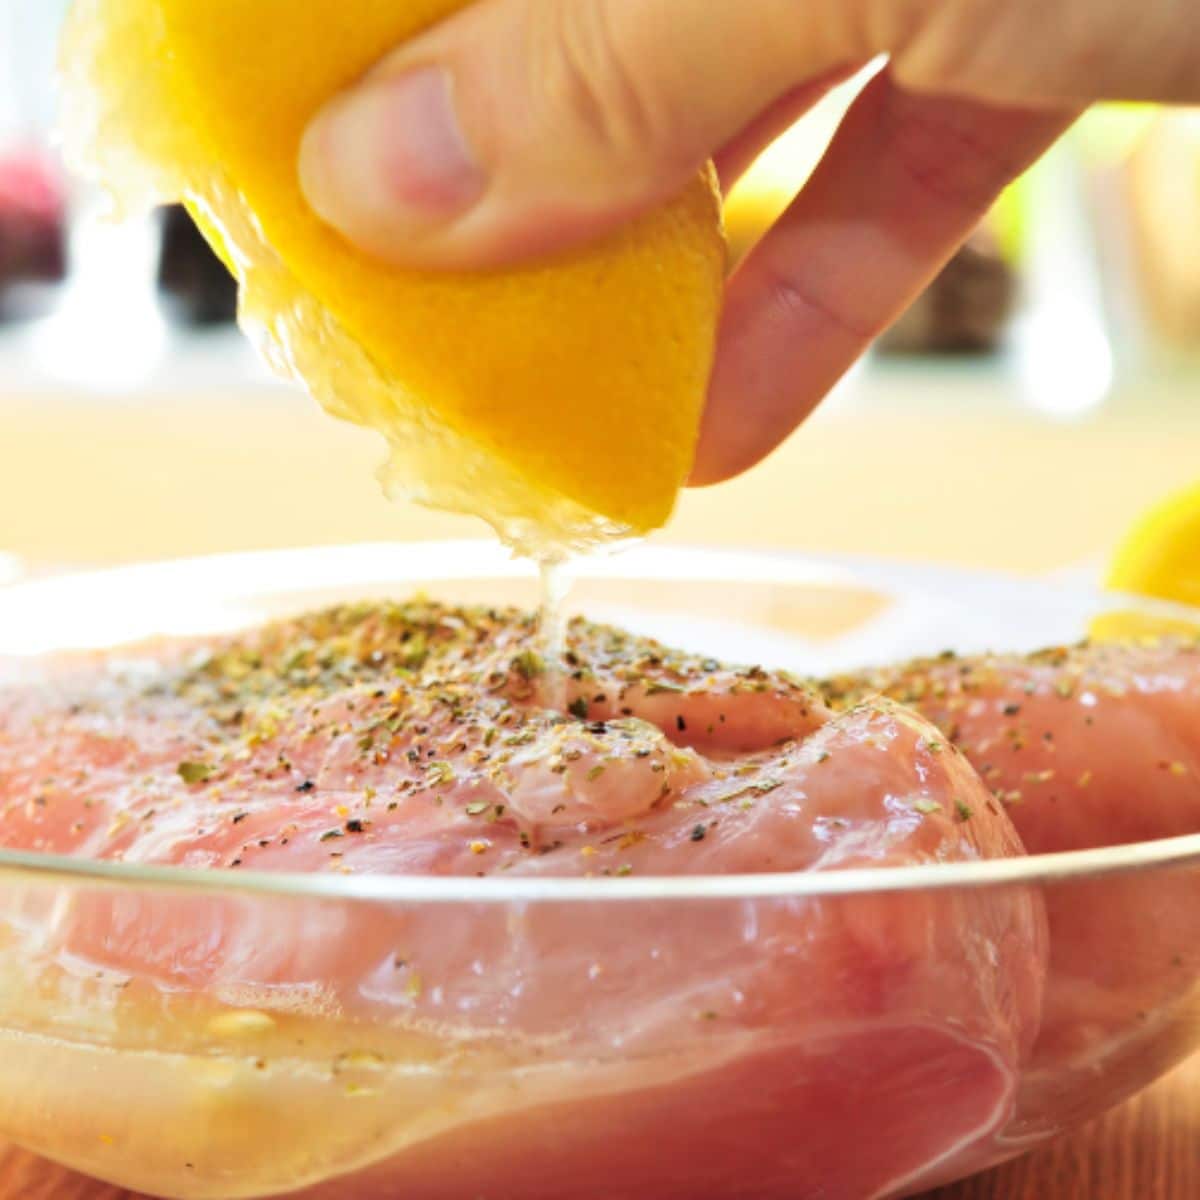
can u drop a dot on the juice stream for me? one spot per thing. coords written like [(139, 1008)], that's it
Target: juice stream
[(552, 630)]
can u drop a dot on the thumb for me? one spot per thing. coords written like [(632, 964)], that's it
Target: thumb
[(518, 127)]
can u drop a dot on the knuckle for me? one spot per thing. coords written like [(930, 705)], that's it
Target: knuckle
[(794, 295), (894, 26), (946, 159), (944, 44), (590, 74)]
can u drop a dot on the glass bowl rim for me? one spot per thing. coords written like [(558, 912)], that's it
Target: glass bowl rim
[(1027, 870)]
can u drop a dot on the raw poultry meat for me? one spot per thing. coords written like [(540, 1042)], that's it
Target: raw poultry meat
[(835, 1047), (1086, 747)]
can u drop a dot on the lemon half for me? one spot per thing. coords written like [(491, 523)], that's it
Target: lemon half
[(560, 401), (1159, 558)]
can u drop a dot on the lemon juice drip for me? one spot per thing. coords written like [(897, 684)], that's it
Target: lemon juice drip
[(552, 630)]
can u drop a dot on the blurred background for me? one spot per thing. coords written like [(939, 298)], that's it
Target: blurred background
[(1030, 405)]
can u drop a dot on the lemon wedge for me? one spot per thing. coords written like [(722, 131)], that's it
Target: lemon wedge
[(559, 401), (1159, 558)]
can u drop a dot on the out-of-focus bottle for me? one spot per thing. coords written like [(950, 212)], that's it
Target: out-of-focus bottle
[(202, 291), (32, 197), (32, 232)]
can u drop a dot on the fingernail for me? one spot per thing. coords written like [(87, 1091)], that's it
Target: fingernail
[(392, 154)]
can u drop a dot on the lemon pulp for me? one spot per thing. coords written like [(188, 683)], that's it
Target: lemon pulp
[(560, 401)]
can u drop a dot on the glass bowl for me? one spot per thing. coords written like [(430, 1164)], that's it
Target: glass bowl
[(840, 1034)]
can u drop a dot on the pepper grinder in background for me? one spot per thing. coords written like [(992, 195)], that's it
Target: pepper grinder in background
[(966, 309)]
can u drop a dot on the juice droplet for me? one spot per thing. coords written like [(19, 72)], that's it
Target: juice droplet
[(552, 631)]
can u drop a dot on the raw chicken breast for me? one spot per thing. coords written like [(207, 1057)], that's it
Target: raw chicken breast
[(840, 1047), (1087, 747)]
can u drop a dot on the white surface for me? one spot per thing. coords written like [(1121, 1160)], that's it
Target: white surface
[(923, 611)]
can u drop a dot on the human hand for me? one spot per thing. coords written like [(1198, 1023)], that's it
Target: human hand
[(517, 128)]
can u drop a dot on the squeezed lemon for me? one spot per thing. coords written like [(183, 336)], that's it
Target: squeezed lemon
[(560, 401)]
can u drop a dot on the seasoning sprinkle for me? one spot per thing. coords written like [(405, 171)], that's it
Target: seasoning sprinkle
[(660, 688), (439, 773), (528, 664), (1039, 776), (195, 772)]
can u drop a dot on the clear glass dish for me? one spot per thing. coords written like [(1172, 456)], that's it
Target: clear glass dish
[(840, 1034)]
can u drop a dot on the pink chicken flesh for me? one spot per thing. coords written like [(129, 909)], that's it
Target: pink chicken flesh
[(1086, 747), (730, 1048)]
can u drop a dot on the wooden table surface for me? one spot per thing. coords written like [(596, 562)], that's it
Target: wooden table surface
[(1147, 1150), (942, 465)]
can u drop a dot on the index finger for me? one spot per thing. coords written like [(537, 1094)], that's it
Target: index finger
[(906, 180)]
